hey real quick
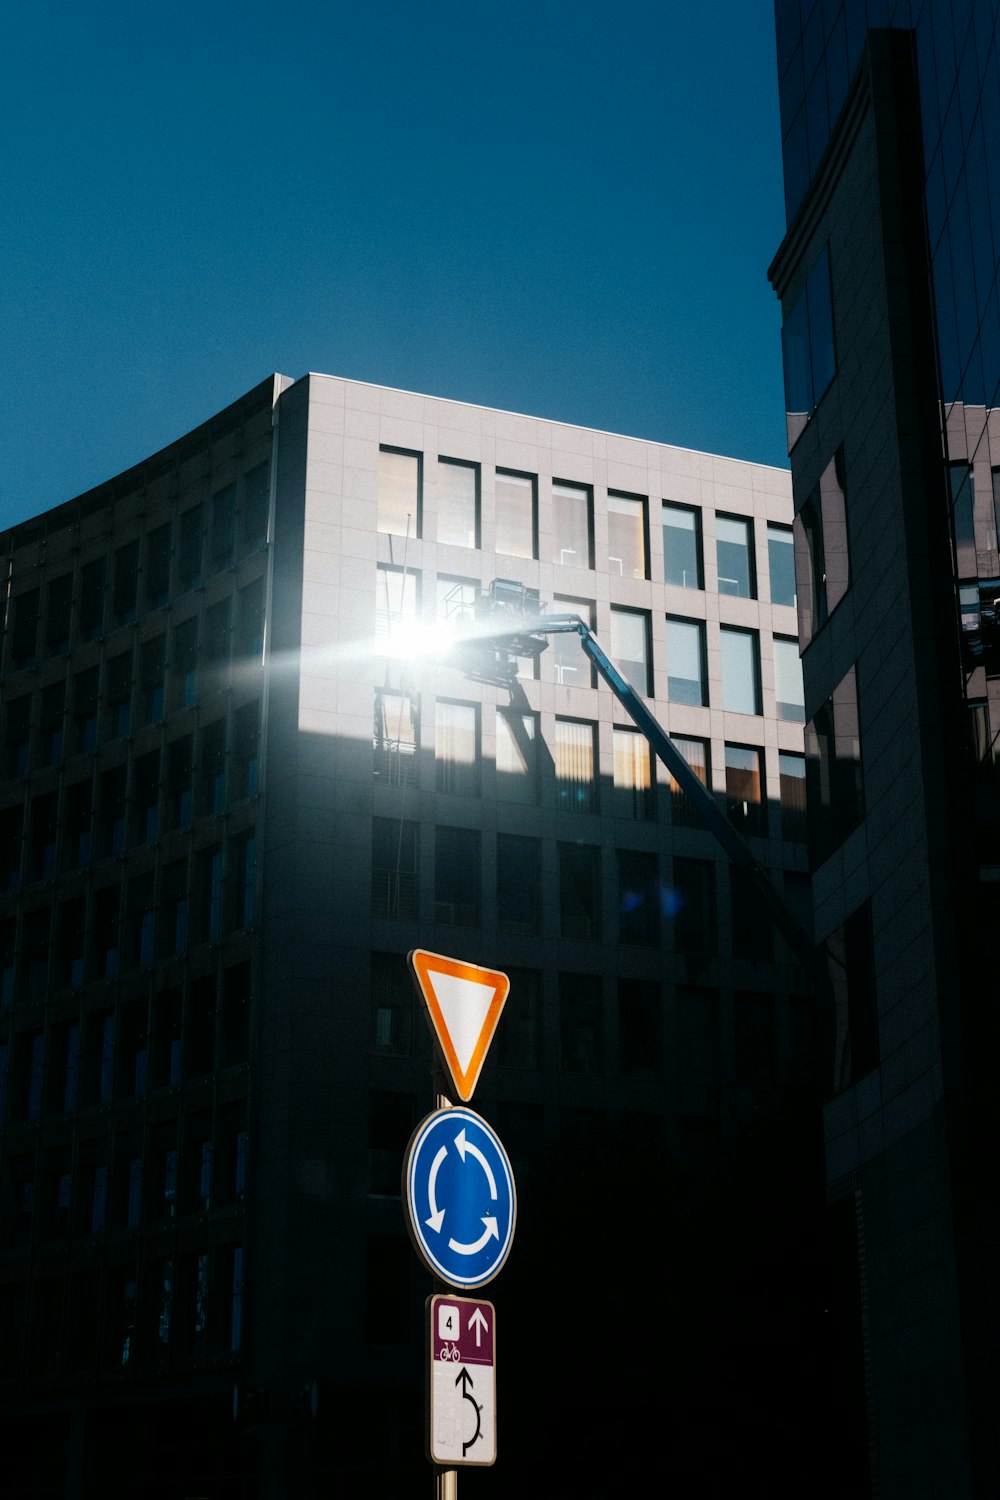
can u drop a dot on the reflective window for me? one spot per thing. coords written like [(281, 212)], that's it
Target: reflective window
[(833, 770), (682, 809), (576, 783), (399, 486), (516, 514), (457, 503), (789, 693), (580, 1023), (682, 546), (392, 1006), (572, 525), (456, 748), (687, 678), (638, 898), (516, 756), (633, 775), (792, 781), (394, 739), (781, 564), (808, 348), (740, 671), (962, 486), (694, 907), (579, 891), (734, 553), (743, 789), (627, 548), (630, 647), (519, 883), (395, 607), (821, 550), (456, 876), (395, 868)]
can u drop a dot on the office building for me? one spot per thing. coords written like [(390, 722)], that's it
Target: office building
[(887, 277), (238, 791)]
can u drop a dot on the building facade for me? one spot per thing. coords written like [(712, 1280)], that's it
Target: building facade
[(240, 786), (887, 276)]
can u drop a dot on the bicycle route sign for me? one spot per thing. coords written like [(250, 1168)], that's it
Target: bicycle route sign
[(462, 1411), (460, 1198)]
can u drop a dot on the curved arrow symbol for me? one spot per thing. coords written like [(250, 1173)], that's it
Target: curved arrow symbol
[(467, 1146), (437, 1214), (491, 1232), (467, 1383)]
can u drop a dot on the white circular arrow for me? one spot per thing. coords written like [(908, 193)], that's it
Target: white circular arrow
[(491, 1232), (467, 1146), (437, 1214)]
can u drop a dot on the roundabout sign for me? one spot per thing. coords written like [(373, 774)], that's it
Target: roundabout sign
[(460, 1198)]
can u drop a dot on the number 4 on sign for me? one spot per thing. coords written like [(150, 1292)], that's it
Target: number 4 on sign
[(463, 1004)]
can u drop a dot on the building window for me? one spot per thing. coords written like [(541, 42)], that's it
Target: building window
[(753, 1036), (750, 916), (734, 554), (53, 707), (580, 891), (570, 667), (390, 1121), (516, 756), (519, 1039), (152, 669), (694, 907), (834, 782), (190, 548), (256, 501), (17, 735), (396, 602), (519, 883), (141, 921), (392, 1006), (633, 775), (395, 880), (572, 525), (456, 876), (104, 948), (158, 567), (250, 616), (852, 1031), (740, 670), (683, 812), (92, 591), (628, 548), (24, 645), (821, 550), (638, 898), (212, 767), (807, 346), (85, 704), (781, 564), (146, 798), (682, 546), (792, 773), (788, 690), (11, 836), (580, 1023), (687, 676), (395, 739), (640, 1027), (516, 514), (457, 503), (744, 802), (184, 666), (576, 782), (58, 607), (630, 647), (456, 748), (120, 696), (698, 1049), (126, 584), (223, 540), (246, 746), (400, 483)]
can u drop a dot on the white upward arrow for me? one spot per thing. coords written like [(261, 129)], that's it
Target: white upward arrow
[(479, 1323)]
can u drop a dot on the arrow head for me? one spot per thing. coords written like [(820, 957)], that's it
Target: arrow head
[(464, 1379), (461, 1143), (435, 1221), (491, 1226)]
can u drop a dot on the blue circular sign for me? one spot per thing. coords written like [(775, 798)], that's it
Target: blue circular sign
[(460, 1197)]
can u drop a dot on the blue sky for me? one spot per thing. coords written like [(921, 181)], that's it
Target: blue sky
[(565, 209)]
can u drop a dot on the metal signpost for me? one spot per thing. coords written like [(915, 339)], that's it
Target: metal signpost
[(461, 1208)]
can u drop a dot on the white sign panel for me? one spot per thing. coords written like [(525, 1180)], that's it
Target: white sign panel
[(463, 1396)]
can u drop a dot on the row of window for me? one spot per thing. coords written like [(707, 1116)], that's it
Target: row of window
[(186, 1307), (457, 488), (152, 917), (144, 1045), (140, 687), (154, 794), (143, 574), (644, 900), (522, 759), (631, 646)]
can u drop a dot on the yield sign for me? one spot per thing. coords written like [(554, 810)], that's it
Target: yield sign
[(464, 1003)]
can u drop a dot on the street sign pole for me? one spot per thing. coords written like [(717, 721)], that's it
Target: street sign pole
[(445, 1480)]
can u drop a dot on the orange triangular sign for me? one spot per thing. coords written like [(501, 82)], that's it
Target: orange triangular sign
[(464, 1003)]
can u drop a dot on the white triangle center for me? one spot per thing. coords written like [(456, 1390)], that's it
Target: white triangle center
[(464, 1006)]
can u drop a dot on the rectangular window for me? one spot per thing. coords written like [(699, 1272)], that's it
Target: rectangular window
[(146, 798), (212, 767), (250, 616), (390, 1121), (633, 776), (740, 670), (92, 591), (834, 783), (564, 660), (628, 548), (158, 567), (256, 500), (576, 782), (853, 1028), (694, 907), (792, 773), (210, 895), (572, 525), (752, 924), (190, 547), (687, 674), (152, 669), (395, 877), (457, 503), (184, 666), (519, 883), (640, 1027), (808, 350), (753, 1036), (781, 564), (456, 876), (400, 482), (638, 898), (126, 584), (516, 756), (735, 556), (59, 605), (396, 602), (85, 703), (25, 635), (822, 558), (456, 748), (120, 695), (17, 735), (744, 802), (395, 739), (698, 1049), (630, 647), (789, 693), (682, 810), (519, 1039), (516, 514), (53, 707), (682, 546), (580, 1023), (580, 891), (180, 779), (392, 1006), (223, 527)]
